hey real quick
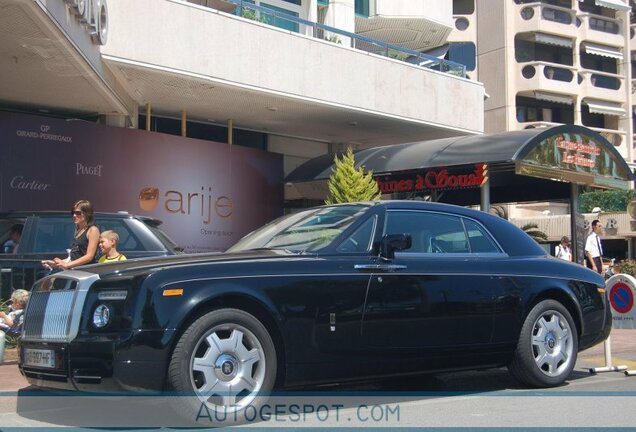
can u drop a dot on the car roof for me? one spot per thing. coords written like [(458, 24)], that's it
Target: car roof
[(19, 214), (422, 205), (509, 236)]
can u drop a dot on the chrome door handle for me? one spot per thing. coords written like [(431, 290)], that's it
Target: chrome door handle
[(379, 267)]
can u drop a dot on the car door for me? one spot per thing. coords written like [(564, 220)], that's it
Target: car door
[(438, 294), (342, 291)]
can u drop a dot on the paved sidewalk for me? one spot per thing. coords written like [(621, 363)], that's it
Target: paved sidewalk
[(623, 351), (623, 345)]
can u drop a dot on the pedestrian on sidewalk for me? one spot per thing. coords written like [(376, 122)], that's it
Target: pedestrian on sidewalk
[(563, 250), (594, 248)]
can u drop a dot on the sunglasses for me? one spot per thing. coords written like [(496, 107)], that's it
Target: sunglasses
[(76, 213)]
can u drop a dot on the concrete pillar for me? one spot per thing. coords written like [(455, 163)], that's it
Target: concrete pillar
[(576, 106), (114, 120), (148, 116), (311, 15), (625, 69), (341, 14)]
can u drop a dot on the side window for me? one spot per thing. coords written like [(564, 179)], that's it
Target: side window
[(127, 240), (53, 234), (7, 228), (480, 241), (430, 232), (361, 239), (144, 236)]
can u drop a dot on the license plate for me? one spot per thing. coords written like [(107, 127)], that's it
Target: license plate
[(39, 358)]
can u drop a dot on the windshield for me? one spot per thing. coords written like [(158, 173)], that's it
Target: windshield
[(304, 231)]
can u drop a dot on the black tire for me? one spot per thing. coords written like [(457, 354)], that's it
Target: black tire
[(547, 348), (224, 362)]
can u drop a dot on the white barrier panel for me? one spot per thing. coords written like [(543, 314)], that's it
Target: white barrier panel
[(620, 290)]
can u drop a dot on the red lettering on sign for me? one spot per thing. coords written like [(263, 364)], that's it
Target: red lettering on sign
[(433, 179)]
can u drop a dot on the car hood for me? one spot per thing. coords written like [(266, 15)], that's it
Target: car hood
[(141, 265)]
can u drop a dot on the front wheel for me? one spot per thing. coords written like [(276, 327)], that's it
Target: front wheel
[(226, 361), (548, 346)]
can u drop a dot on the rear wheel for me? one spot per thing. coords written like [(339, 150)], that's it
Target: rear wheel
[(224, 362), (547, 347)]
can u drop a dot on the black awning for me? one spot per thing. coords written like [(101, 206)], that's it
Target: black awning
[(506, 147), (423, 154)]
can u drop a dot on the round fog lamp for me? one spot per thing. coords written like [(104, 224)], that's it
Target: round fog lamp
[(101, 316)]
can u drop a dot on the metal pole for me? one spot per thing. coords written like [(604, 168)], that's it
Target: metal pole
[(608, 361), (574, 207), (148, 114), (230, 131), (183, 123), (485, 197), (484, 190)]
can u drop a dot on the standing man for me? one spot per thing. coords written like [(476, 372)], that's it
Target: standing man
[(563, 250), (594, 249)]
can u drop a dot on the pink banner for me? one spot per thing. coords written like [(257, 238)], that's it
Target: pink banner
[(208, 194)]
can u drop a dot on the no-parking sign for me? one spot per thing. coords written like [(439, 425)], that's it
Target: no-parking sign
[(621, 291)]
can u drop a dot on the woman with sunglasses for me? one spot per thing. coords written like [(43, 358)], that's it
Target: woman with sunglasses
[(84, 247)]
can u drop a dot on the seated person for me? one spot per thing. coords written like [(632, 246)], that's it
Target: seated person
[(11, 245), (11, 323), (108, 244)]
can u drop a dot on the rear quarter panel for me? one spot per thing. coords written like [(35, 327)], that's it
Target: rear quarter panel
[(521, 282)]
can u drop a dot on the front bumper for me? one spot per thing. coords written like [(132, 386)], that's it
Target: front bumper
[(135, 363)]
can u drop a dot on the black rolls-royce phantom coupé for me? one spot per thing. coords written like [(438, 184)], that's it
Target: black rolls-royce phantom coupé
[(328, 294)]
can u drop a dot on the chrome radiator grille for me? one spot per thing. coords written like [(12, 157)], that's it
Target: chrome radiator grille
[(53, 313), (49, 315)]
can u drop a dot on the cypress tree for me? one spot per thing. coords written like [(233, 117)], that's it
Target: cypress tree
[(348, 183)]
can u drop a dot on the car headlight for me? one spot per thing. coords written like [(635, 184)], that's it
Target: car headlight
[(101, 316)]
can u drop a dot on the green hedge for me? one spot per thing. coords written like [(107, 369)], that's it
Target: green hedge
[(606, 200)]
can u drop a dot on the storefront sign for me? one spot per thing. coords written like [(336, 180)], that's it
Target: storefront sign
[(207, 194), (621, 290), (577, 158), (93, 14), (433, 179)]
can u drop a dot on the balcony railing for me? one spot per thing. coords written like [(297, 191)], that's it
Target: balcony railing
[(269, 16), (600, 23), (561, 15), (604, 25), (556, 14), (601, 80), (537, 124), (569, 74), (616, 137), (551, 71)]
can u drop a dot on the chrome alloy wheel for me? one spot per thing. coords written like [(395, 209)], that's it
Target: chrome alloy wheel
[(228, 367), (552, 343)]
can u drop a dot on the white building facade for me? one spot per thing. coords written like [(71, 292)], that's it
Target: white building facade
[(284, 76), (552, 62)]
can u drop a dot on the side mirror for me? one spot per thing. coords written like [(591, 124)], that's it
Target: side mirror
[(394, 242)]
